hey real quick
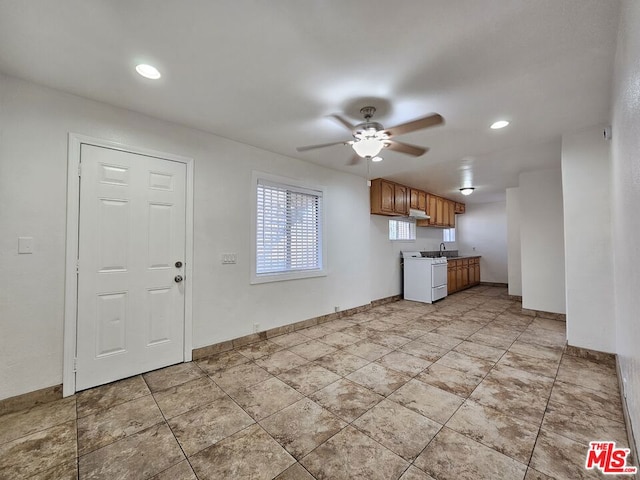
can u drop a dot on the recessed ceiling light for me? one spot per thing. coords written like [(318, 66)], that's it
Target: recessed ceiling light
[(499, 124), (148, 71), (467, 190), (376, 159)]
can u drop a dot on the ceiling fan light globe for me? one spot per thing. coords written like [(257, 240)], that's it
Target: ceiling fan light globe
[(467, 190), (368, 147), (376, 159)]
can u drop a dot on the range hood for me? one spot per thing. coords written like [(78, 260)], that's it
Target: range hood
[(418, 214)]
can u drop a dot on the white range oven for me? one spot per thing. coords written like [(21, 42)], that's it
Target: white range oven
[(425, 278)]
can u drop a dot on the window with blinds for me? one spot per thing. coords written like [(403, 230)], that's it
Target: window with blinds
[(288, 229), (402, 230), (449, 235)]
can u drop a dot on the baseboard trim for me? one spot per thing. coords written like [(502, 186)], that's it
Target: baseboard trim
[(561, 317), (383, 301), (494, 284), (30, 399), (627, 419), (593, 355), (202, 352)]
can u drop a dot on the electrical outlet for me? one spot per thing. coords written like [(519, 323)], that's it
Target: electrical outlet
[(25, 244), (256, 327)]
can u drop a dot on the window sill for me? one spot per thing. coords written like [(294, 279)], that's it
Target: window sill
[(281, 277)]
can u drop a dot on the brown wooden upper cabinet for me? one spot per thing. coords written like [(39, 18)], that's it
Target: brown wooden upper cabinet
[(389, 198), (451, 213), (440, 216), (418, 199), (432, 203), (441, 210), (401, 199), (394, 199)]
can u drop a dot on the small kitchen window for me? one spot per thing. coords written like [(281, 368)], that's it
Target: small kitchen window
[(449, 235), (288, 230), (402, 229)]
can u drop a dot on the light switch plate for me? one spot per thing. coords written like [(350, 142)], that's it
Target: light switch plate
[(25, 244), (229, 258)]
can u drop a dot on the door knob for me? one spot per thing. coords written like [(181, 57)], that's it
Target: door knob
[(178, 278)]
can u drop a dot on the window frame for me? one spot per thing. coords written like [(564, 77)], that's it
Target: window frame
[(295, 185), (404, 220)]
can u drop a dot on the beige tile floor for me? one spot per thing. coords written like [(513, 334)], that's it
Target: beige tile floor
[(468, 388)]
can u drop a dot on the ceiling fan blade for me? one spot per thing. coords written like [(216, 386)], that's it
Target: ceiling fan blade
[(406, 148), (342, 121), (419, 124), (355, 159), (322, 145)]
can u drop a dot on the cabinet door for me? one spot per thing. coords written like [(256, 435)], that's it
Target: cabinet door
[(439, 211), (401, 199), (459, 282), (451, 277), (476, 278), (422, 201), (465, 273), (432, 203), (451, 214), (387, 197), (413, 198)]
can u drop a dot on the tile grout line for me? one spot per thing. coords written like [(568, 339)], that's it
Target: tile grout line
[(535, 444), (166, 422), (488, 372), (410, 463)]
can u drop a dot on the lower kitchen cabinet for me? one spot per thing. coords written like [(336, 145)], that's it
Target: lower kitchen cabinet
[(462, 273)]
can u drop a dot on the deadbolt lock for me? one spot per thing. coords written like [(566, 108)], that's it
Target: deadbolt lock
[(178, 264)]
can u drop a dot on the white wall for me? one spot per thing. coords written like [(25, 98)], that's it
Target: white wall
[(34, 123), (586, 188), (482, 230), (542, 241), (625, 201), (513, 242), (386, 274)]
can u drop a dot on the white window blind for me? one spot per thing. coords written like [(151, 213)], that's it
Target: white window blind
[(449, 235), (402, 230), (288, 229)]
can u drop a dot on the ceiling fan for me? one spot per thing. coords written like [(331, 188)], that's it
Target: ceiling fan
[(369, 138)]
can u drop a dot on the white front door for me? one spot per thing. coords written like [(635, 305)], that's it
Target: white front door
[(132, 233)]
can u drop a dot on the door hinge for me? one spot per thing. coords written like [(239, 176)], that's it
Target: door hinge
[(75, 365), (78, 266), (79, 169)]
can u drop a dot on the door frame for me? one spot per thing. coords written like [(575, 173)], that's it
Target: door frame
[(72, 246)]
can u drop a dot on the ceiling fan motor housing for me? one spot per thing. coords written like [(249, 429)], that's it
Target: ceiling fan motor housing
[(367, 130), (368, 112)]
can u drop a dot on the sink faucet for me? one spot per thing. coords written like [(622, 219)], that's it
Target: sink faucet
[(442, 248)]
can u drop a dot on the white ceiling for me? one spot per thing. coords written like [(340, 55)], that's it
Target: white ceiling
[(267, 73)]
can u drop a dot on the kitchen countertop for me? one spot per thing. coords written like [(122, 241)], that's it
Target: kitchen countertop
[(463, 256)]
